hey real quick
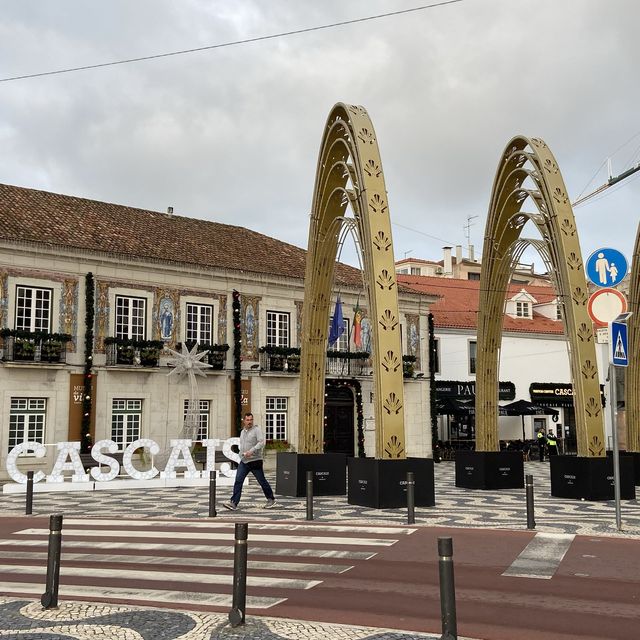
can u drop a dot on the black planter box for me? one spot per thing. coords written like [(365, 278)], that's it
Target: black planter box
[(382, 484), (329, 473), (489, 469), (590, 478), (635, 456)]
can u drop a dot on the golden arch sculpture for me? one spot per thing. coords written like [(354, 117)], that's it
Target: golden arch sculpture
[(350, 172), (529, 172), (632, 379)]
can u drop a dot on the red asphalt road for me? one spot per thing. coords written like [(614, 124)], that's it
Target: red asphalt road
[(594, 594)]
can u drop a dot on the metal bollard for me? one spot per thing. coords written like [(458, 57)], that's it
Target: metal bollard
[(212, 494), (49, 599), (238, 606), (28, 510), (309, 495), (528, 483), (447, 590), (411, 498)]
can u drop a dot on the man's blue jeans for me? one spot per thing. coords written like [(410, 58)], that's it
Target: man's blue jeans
[(244, 468)]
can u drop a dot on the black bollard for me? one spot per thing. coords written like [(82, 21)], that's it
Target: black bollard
[(447, 590), (238, 606), (212, 494), (411, 498), (309, 495), (528, 483), (28, 510), (49, 599)]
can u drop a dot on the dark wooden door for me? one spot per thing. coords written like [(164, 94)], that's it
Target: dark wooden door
[(339, 423)]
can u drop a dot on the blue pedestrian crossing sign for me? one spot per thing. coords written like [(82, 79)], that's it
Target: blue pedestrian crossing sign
[(619, 345), (606, 267)]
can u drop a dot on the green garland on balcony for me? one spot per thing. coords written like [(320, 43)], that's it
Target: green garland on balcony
[(432, 383), (237, 362), (87, 399), (357, 392)]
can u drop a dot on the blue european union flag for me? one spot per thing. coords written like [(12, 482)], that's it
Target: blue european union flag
[(337, 323)]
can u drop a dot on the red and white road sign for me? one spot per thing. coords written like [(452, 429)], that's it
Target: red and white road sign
[(605, 305)]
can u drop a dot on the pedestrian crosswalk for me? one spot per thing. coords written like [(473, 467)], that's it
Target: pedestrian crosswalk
[(185, 563)]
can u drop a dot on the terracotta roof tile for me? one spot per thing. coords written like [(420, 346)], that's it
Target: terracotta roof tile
[(59, 220), (459, 303)]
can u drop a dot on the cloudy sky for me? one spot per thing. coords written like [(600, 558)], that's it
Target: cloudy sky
[(232, 134)]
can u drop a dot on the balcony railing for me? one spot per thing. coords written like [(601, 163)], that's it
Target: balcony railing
[(27, 346), (338, 363), (141, 353)]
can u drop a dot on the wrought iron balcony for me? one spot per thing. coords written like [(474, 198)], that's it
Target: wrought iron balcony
[(141, 353), (27, 346)]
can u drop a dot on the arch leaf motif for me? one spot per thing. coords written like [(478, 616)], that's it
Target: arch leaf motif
[(528, 172), (632, 376), (350, 172)]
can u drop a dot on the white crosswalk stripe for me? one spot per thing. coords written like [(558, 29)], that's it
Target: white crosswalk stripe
[(178, 562)]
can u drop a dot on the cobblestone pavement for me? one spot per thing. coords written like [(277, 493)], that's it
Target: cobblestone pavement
[(24, 620), (455, 507)]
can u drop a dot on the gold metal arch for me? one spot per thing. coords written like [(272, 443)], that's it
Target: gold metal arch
[(350, 172), (528, 171), (632, 379)]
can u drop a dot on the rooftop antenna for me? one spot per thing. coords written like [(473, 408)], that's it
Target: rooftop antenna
[(467, 228), (406, 253)]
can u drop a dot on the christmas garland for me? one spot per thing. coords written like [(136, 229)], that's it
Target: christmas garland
[(357, 392), (87, 401), (432, 383), (237, 362)]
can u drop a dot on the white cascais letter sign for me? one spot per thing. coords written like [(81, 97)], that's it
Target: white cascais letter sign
[(68, 459)]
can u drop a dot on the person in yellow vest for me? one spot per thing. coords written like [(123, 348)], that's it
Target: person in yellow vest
[(541, 444), (552, 444)]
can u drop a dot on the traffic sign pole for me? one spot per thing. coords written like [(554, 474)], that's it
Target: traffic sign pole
[(613, 401)]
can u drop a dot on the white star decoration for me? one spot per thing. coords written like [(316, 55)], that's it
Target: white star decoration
[(188, 363)]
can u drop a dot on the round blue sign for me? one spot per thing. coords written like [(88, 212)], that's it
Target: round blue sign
[(606, 267)]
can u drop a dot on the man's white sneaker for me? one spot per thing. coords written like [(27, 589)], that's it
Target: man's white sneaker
[(270, 504), (230, 506)]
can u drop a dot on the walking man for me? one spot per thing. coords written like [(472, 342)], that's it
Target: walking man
[(251, 446)]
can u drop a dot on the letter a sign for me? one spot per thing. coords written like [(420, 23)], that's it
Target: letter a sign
[(619, 346)]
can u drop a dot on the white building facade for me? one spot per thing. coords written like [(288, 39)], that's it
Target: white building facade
[(154, 281)]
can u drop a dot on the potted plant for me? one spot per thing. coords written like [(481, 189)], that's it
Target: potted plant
[(149, 356), (408, 366), (293, 363), (126, 354), (23, 349), (51, 350)]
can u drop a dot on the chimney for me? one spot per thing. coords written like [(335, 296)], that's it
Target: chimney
[(458, 253), (472, 256), (170, 211), (448, 266)]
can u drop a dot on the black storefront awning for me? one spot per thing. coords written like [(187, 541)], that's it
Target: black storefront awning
[(555, 394)]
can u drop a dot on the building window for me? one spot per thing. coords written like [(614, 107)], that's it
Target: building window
[(342, 343), (130, 318), (473, 352), (27, 420), (277, 329), (436, 355), (276, 419), (33, 308), (473, 276), (523, 309), (415, 271), (403, 272), (199, 323), (126, 418), (205, 412)]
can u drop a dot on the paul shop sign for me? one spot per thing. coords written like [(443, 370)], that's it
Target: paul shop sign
[(180, 462)]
